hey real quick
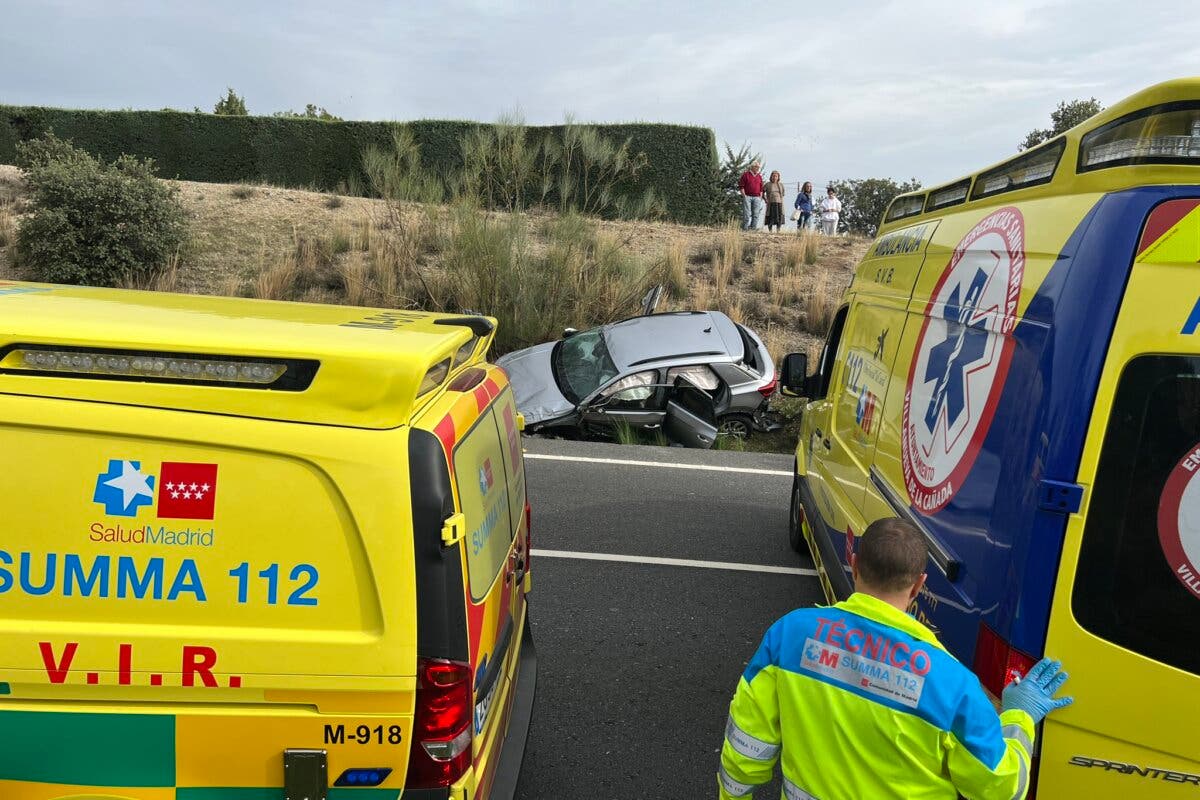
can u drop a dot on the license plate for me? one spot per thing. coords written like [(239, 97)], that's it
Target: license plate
[(485, 704)]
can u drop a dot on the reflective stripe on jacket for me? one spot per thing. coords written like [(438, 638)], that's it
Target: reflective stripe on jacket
[(859, 700)]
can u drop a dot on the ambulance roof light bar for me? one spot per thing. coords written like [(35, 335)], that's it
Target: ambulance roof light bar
[(157, 367), (1164, 134)]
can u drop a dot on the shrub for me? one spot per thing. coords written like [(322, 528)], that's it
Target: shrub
[(95, 223), (243, 192)]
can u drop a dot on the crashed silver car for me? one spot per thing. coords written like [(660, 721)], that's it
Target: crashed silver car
[(638, 372)]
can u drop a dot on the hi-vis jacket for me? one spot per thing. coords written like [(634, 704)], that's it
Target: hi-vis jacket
[(862, 702)]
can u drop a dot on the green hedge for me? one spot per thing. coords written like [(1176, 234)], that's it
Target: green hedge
[(311, 153)]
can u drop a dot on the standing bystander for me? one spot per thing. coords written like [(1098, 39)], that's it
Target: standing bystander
[(773, 193), (804, 206), (831, 209), (750, 186)]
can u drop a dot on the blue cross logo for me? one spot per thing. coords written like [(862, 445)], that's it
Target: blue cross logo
[(964, 344), (812, 653)]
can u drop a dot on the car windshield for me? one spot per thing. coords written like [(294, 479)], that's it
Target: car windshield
[(582, 364)]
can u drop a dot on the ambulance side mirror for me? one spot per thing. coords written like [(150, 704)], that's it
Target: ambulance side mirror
[(793, 377)]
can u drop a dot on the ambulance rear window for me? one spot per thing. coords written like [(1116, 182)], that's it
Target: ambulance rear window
[(1138, 582)]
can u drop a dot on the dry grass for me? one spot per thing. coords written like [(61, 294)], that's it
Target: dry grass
[(277, 281), (675, 269), (732, 249), (165, 281), (787, 290), (810, 247), (777, 344), (733, 309), (820, 306), (763, 275), (231, 286), (8, 226), (357, 277), (243, 191)]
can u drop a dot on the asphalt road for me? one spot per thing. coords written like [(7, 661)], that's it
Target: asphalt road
[(637, 660)]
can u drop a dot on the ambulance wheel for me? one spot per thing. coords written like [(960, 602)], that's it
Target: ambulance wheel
[(795, 531)]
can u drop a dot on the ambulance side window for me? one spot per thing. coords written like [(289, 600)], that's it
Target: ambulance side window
[(484, 499), (829, 353), (1138, 580)]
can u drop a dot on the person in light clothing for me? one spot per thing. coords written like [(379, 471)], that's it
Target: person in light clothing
[(831, 210)]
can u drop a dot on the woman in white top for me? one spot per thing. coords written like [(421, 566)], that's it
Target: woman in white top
[(831, 209)]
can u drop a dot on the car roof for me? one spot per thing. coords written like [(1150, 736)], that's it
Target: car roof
[(368, 365), (680, 336)]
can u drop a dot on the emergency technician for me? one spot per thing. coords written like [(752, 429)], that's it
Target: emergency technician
[(862, 702)]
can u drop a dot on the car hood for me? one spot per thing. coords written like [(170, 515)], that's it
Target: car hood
[(532, 378)]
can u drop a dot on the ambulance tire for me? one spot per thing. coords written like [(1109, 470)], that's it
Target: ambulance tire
[(795, 534)]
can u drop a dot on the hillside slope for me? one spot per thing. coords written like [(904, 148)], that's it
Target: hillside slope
[(240, 234)]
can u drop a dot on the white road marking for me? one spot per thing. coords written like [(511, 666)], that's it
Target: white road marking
[(631, 462), (674, 562)]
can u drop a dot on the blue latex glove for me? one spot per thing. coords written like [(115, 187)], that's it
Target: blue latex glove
[(1035, 693)]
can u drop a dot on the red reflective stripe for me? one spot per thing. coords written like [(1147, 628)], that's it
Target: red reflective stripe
[(446, 434), (1163, 218), (492, 387), (482, 398)]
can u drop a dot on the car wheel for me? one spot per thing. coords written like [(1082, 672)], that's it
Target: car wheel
[(738, 426), (795, 520)]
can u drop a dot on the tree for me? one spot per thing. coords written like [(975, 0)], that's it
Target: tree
[(231, 105), (1063, 118), (864, 201), (311, 111), (727, 204)]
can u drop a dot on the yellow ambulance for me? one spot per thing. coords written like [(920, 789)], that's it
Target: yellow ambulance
[(257, 551), (1016, 369)]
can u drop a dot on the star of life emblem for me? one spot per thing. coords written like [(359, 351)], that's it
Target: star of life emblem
[(961, 359)]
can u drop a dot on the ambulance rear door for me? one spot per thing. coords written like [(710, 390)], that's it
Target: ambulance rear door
[(1126, 614), (489, 472)]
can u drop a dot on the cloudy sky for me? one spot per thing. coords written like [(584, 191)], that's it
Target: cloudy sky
[(924, 88)]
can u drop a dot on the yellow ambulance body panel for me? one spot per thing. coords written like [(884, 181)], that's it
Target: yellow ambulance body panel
[(227, 547), (1016, 369)]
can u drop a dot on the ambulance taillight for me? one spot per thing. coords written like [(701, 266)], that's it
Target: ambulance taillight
[(442, 725), (997, 663)]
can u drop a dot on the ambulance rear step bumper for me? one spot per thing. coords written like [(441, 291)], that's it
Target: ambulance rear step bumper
[(508, 771)]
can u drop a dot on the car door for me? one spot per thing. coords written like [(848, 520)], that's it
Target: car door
[(636, 400), (690, 418)]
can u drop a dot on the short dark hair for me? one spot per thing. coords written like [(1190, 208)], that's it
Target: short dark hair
[(891, 554)]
